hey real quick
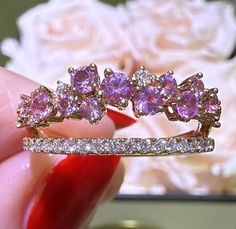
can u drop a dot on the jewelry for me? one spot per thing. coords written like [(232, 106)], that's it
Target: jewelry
[(120, 146), (87, 98)]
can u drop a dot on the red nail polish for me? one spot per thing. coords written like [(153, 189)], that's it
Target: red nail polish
[(120, 120), (71, 192)]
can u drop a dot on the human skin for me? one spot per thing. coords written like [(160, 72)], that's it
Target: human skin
[(42, 191)]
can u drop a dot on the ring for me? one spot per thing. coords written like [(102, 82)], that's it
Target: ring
[(87, 97)]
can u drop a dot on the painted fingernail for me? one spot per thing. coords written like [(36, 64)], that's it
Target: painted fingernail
[(120, 120), (71, 192)]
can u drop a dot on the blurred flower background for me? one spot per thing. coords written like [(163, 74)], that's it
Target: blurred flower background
[(184, 36)]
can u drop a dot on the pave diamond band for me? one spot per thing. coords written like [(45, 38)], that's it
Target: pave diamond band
[(120, 146)]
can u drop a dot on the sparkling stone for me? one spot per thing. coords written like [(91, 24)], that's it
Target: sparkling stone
[(188, 105), (198, 86), (65, 99), (41, 106), (143, 77), (116, 87), (122, 146), (147, 101), (84, 79), (168, 84), (23, 110), (91, 109), (212, 104)]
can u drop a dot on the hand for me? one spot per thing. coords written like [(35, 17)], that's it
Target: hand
[(42, 191)]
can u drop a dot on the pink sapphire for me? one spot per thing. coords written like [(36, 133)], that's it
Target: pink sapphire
[(212, 104), (198, 86), (84, 79), (91, 109), (188, 105), (168, 84), (147, 101), (41, 106), (116, 87)]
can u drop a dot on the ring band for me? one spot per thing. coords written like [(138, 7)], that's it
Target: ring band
[(120, 146)]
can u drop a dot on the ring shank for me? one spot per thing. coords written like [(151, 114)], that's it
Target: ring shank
[(120, 146)]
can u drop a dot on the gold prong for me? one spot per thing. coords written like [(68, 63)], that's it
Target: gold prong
[(24, 97), (192, 90), (124, 103), (190, 80), (108, 71), (59, 82), (44, 89), (142, 68), (201, 107), (71, 70), (215, 90), (186, 119), (19, 125), (212, 95), (153, 78), (170, 72), (161, 108), (199, 75), (94, 121), (93, 66), (165, 96), (137, 88), (134, 78), (217, 124), (100, 93)]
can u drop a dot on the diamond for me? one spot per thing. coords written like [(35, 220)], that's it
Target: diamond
[(142, 77), (66, 100)]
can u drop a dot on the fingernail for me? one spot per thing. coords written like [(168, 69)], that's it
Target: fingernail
[(120, 120), (71, 192)]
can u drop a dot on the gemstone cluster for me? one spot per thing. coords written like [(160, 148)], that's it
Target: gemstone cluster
[(86, 98)]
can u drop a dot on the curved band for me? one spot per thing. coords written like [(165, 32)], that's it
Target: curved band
[(120, 146)]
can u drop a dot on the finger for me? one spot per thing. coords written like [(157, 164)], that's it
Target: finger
[(38, 166)]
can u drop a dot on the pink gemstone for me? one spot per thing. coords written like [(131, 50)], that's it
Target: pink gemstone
[(188, 105), (198, 86), (91, 109), (212, 104), (168, 84), (66, 106), (84, 79), (147, 101), (23, 110), (116, 87), (41, 106)]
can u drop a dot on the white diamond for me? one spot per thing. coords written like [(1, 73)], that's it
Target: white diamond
[(143, 77)]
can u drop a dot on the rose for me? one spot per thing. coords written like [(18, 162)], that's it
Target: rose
[(60, 34), (167, 34)]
